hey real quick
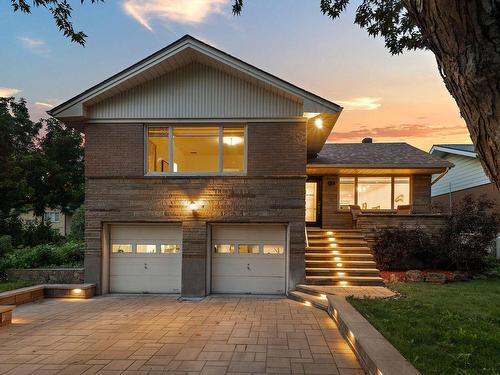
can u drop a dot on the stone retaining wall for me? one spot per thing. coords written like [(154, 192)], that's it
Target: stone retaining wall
[(48, 275)]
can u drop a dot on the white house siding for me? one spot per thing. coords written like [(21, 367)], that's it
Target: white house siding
[(466, 173), (196, 91)]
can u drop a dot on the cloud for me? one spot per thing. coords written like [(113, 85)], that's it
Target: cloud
[(360, 104), (398, 132), (42, 104), (8, 91), (34, 45), (180, 11)]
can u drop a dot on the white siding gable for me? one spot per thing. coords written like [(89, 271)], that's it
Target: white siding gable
[(196, 91), (466, 173)]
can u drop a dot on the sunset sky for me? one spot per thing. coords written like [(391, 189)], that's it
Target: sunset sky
[(389, 98)]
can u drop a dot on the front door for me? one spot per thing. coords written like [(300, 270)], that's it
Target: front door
[(313, 201)]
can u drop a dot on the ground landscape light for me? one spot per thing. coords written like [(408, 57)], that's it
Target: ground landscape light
[(77, 291)]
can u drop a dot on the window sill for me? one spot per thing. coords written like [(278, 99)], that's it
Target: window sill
[(195, 174)]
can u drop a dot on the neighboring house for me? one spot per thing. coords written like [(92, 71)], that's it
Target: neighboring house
[(58, 220), (467, 177), (202, 170)]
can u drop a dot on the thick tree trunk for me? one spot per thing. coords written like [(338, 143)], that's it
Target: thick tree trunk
[(465, 38)]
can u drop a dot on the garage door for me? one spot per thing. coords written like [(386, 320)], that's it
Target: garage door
[(248, 259), (145, 258)]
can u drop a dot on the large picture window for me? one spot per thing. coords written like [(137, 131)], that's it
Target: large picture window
[(374, 193), (196, 150)]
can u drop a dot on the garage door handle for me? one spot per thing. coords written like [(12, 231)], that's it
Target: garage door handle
[(145, 266), (248, 267)]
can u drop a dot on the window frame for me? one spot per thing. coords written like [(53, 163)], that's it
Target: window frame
[(344, 209), (171, 128)]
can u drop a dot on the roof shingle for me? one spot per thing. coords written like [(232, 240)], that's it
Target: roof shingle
[(383, 155)]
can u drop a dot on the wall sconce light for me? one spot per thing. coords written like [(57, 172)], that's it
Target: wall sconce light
[(192, 206), (318, 123)]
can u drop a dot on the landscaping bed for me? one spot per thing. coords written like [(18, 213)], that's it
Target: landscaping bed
[(441, 329)]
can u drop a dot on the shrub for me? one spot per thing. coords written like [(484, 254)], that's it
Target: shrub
[(69, 254), (28, 234), (402, 249), (78, 224), (5, 248), (468, 234)]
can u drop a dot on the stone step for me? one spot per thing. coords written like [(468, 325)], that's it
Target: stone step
[(344, 280), (323, 249), (343, 256), (346, 263), (342, 272), (312, 300)]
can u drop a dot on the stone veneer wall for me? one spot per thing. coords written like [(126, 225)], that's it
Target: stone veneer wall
[(272, 192), (48, 275)]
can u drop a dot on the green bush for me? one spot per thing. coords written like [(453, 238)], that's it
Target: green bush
[(78, 224), (5, 248), (31, 234), (68, 254)]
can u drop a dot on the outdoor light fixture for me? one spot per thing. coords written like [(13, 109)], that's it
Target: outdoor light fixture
[(322, 296), (341, 273), (329, 233), (331, 239), (333, 245), (192, 206), (336, 259), (318, 123), (307, 303), (77, 291), (343, 283), (339, 264)]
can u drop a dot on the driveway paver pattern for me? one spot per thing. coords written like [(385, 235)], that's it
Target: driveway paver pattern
[(155, 334)]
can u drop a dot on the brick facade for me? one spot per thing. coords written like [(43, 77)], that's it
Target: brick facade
[(272, 192)]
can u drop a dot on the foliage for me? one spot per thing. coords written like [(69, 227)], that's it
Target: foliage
[(441, 329), (61, 13), (5, 248), (462, 244), (469, 232), (70, 253), (389, 19), (38, 169), (77, 232), (403, 249), (11, 285), (29, 234)]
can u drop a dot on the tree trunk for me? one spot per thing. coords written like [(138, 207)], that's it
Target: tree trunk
[(464, 35)]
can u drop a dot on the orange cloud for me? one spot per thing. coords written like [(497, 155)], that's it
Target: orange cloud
[(362, 104), (398, 131)]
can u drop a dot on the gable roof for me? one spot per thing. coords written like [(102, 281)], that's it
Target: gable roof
[(179, 53), (376, 155), (464, 149)]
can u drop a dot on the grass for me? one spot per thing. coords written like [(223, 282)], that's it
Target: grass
[(11, 285), (441, 329)]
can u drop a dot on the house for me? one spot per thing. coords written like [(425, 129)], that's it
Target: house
[(202, 172), (467, 177), (58, 220)]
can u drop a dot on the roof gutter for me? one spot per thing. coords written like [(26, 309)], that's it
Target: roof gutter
[(440, 176)]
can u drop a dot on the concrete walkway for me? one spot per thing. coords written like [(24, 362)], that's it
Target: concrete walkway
[(158, 334)]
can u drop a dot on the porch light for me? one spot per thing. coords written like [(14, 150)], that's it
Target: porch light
[(193, 206), (318, 123)]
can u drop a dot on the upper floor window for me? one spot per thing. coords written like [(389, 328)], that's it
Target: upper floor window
[(374, 192), (196, 150)]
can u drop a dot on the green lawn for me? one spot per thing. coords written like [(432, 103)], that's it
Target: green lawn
[(10, 285), (442, 329)]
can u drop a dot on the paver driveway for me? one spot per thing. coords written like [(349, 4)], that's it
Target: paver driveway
[(123, 334)]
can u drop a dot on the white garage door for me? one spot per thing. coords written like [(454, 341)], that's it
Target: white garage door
[(248, 259), (145, 258)]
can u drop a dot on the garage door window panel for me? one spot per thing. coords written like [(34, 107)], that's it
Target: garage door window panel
[(273, 249), (170, 248), (122, 248), (248, 249), (224, 249), (146, 249)]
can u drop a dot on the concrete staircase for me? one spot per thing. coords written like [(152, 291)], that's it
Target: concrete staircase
[(339, 257)]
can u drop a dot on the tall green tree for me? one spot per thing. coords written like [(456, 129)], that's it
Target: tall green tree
[(464, 36), (41, 163)]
